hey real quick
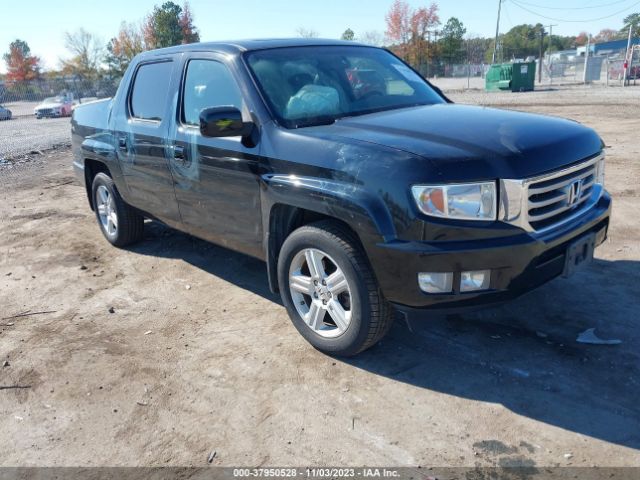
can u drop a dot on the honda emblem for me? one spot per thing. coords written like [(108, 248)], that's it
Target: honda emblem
[(573, 193)]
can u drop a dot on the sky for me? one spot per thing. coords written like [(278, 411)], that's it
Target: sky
[(41, 23)]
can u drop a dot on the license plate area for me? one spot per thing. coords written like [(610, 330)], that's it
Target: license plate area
[(579, 253)]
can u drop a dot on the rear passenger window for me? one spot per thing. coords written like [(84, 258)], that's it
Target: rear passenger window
[(150, 90), (208, 84)]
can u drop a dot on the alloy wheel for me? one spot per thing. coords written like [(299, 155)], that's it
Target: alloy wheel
[(106, 210), (320, 292)]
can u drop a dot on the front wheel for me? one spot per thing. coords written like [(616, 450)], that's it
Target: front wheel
[(330, 291)]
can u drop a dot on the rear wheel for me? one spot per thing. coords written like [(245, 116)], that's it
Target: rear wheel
[(330, 291), (120, 224)]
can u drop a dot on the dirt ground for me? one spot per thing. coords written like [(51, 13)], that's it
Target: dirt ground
[(172, 349)]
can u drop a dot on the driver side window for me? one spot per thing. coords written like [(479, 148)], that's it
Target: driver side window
[(208, 83)]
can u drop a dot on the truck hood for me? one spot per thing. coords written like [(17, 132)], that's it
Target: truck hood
[(465, 143)]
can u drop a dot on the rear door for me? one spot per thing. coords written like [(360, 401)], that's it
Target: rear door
[(142, 140), (216, 179)]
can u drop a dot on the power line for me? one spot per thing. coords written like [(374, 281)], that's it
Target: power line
[(575, 21), (512, 24), (536, 5)]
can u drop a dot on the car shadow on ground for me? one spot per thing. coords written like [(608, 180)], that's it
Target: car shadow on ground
[(242, 270), (523, 355)]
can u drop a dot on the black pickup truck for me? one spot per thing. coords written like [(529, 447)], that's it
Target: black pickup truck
[(363, 188)]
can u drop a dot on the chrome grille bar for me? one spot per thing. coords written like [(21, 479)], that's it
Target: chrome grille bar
[(562, 183), (566, 192), (543, 202), (544, 216)]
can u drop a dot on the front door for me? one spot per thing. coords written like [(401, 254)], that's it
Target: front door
[(216, 179)]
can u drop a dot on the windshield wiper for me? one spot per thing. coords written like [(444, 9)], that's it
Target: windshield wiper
[(314, 121)]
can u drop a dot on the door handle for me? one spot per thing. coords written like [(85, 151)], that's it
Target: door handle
[(178, 152), (122, 143)]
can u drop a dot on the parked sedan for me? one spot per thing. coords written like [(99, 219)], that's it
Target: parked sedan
[(60, 106), (5, 113)]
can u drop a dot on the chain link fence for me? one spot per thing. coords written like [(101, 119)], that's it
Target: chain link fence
[(34, 115), (601, 71)]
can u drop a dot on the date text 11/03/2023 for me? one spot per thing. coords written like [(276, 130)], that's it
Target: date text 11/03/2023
[(316, 472)]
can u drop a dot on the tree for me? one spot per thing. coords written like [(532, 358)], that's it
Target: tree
[(398, 20), (189, 31), (122, 48), (582, 39), (632, 20), (348, 35), (372, 37), (606, 35), (522, 41), (87, 53), (557, 42), (476, 48), (169, 25), (306, 32), (411, 30), (451, 43), (21, 65)]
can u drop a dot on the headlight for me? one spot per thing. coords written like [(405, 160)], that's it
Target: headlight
[(600, 171), (464, 201)]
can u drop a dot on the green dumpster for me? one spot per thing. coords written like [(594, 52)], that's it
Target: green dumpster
[(517, 77), (524, 77)]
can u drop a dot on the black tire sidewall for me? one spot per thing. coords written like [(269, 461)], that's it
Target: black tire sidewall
[(350, 342)]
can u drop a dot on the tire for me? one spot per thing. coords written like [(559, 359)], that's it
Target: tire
[(334, 318), (120, 224)]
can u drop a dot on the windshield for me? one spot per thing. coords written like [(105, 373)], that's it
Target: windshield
[(53, 100), (307, 86)]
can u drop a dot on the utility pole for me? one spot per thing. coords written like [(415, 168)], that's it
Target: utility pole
[(428, 43), (550, 62), (586, 59), (495, 44), (540, 57), (627, 60)]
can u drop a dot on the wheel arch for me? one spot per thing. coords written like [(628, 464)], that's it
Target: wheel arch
[(91, 169), (283, 220), (289, 202)]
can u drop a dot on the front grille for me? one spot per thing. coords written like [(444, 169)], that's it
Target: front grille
[(559, 195), (45, 111)]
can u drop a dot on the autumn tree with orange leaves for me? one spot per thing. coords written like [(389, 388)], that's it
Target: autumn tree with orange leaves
[(412, 31), (167, 25), (581, 39), (21, 65), (122, 48), (607, 35)]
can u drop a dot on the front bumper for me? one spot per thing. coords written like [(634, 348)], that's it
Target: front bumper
[(48, 114), (518, 263)]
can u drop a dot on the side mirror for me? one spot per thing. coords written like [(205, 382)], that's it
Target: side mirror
[(224, 122)]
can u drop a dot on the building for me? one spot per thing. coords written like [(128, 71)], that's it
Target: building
[(614, 47), (562, 56)]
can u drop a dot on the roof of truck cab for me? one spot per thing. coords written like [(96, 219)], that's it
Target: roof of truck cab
[(239, 46)]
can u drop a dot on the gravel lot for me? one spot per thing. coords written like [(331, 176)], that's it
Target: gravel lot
[(22, 135), (162, 353)]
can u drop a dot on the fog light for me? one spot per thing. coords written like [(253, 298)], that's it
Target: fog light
[(475, 280), (435, 282)]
